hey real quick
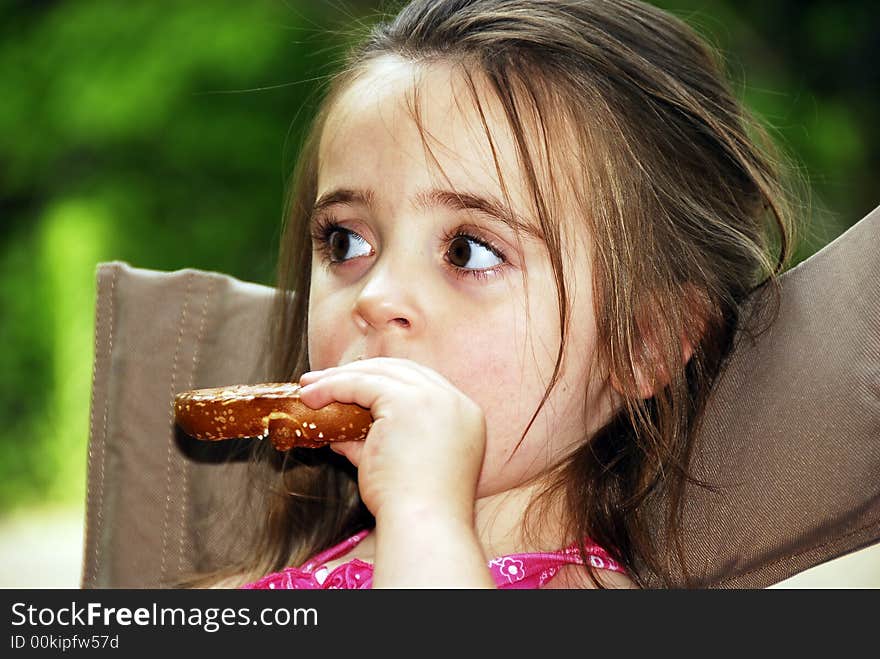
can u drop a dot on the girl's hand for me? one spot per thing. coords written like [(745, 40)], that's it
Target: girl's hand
[(426, 445)]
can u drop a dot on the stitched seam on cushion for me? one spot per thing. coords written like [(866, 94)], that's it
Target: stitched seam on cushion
[(180, 326), (192, 376), (99, 506), (800, 553)]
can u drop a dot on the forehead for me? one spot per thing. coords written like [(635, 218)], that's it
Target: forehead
[(372, 137)]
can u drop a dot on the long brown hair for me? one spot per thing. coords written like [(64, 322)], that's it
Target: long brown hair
[(690, 212)]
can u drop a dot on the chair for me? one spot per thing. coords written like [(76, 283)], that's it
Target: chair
[(792, 429)]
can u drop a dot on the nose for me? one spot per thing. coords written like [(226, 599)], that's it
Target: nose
[(388, 301)]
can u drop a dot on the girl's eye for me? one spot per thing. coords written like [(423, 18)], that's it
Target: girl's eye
[(338, 244), (471, 253), (470, 256), (344, 241)]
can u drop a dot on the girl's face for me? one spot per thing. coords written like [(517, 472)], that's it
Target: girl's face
[(407, 272)]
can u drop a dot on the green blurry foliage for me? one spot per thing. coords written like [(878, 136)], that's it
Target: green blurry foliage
[(162, 134), (809, 70)]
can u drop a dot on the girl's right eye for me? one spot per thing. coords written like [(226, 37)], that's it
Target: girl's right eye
[(337, 244)]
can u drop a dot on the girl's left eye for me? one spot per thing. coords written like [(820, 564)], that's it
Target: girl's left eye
[(474, 256)]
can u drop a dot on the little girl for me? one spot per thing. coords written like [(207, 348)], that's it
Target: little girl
[(521, 232)]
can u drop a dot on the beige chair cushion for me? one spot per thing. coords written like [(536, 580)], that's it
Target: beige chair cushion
[(793, 428)]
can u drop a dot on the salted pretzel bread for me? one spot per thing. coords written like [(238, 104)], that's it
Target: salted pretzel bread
[(272, 410)]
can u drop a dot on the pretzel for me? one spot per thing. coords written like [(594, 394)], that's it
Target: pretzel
[(272, 410)]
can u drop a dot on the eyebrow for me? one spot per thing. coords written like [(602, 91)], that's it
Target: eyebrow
[(433, 197)]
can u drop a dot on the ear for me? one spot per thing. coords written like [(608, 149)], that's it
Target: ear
[(650, 382), (647, 381), (650, 374)]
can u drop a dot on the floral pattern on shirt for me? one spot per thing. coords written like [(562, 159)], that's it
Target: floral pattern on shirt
[(509, 568), (524, 570)]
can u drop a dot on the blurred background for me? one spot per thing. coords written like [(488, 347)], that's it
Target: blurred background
[(161, 134)]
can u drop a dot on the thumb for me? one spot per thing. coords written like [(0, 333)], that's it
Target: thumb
[(351, 450)]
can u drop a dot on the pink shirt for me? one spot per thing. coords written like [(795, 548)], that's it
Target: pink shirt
[(514, 571)]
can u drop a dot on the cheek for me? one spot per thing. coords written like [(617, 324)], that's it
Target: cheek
[(506, 368), (488, 353), (327, 334), (516, 391)]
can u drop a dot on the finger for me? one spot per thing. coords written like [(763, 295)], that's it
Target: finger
[(311, 376), (350, 450), (406, 370), (401, 369), (382, 367), (416, 368), (366, 390)]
